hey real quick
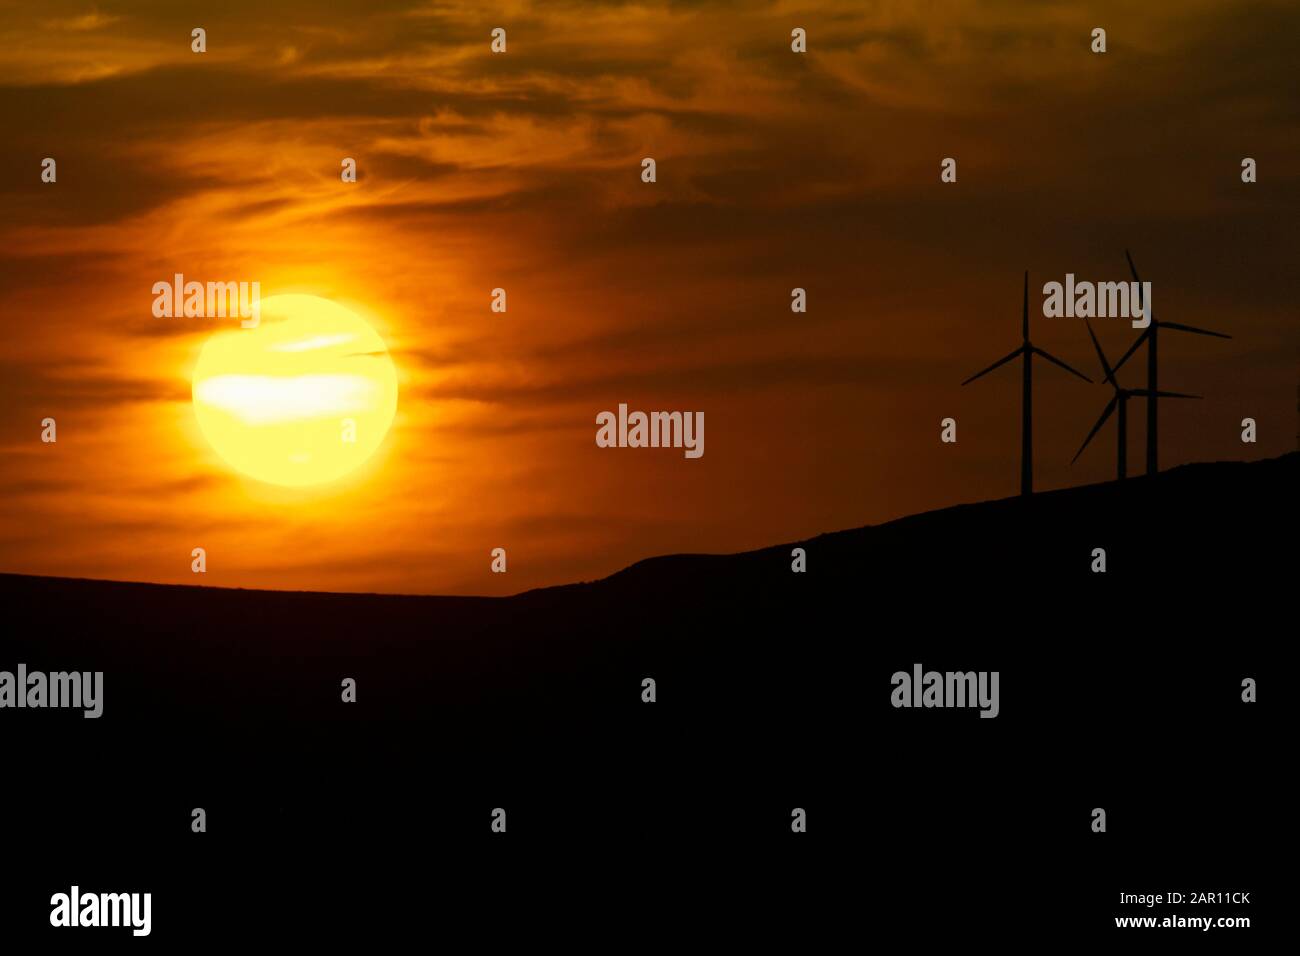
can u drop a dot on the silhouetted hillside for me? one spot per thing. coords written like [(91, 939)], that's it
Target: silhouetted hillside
[(1196, 544), (773, 691)]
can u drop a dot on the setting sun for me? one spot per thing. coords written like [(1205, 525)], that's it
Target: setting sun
[(302, 399)]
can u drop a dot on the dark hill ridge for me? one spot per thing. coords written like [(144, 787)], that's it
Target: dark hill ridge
[(1177, 517), (1185, 552), (1119, 690), (1216, 496)]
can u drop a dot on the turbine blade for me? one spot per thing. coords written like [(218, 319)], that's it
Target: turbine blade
[(1132, 268), (1052, 358), (1191, 328), (1001, 361), (1025, 313), (1110, 376), (1096, 428), (1147, 393), (1134, 347)]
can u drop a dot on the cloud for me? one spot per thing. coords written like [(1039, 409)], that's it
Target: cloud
[(83, 23), (521, 171)]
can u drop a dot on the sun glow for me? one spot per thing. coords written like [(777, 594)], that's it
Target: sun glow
[(302, 399)]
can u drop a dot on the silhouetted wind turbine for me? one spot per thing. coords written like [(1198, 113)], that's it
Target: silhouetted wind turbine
[(1122, 395), (1150, 337), (1028, 350)]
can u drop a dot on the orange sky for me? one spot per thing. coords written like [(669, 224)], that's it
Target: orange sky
[(775, 170)]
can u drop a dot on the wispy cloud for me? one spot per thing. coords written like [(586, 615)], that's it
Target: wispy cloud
[(521, 171)]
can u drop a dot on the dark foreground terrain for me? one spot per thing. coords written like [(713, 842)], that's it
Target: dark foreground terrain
[(670, 821)]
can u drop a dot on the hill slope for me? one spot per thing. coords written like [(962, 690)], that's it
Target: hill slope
[(1119, 690)]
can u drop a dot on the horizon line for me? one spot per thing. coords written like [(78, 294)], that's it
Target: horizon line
[(1023, 500)]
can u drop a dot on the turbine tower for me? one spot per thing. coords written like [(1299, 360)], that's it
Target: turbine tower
[(1122, 395), (1028, 350), (1149, 335)]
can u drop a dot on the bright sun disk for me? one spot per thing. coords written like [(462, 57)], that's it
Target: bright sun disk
[(303, 398)]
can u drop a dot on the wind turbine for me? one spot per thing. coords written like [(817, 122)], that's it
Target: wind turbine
[(1149, 335), (1028, 350), (1122, 395)]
